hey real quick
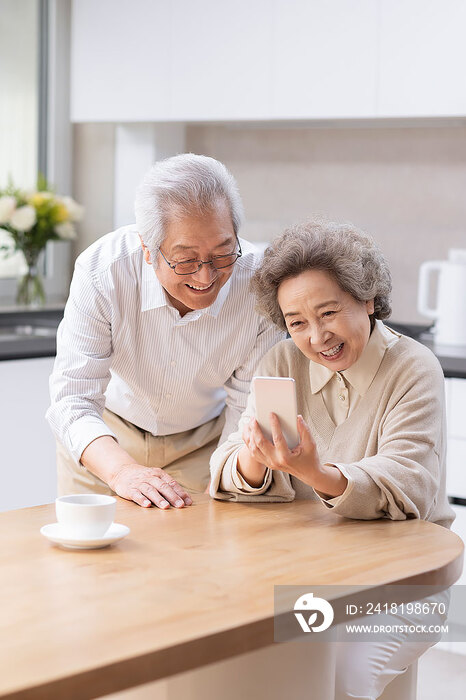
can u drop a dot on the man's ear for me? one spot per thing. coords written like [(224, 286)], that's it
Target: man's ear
[(146, 251)]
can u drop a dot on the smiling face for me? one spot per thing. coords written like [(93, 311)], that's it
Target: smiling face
[(201, 238), (327, 324)]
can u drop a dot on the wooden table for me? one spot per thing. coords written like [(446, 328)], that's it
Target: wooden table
[(186, 588)]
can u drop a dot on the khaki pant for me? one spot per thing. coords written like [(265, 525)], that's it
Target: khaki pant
[(185, 456)]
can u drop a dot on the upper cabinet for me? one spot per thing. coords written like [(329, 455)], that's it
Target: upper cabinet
[(422, 64), (221, 63), (121, 53), (179, 60), (171, 60), (324, 59)]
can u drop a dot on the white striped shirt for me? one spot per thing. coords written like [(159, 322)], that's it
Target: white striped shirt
[(123, 346)]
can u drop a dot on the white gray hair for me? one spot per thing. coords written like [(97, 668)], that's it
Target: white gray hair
[(180, 186), (349, 255)]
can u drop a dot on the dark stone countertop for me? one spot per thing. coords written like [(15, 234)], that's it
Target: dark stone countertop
[(26, 333), (451, 357)]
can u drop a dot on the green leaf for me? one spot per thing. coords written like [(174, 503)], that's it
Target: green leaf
[(43, 185)]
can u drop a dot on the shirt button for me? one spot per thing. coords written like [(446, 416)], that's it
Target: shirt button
[(341, 397), (338, 377), (173, 363), (168, 396)]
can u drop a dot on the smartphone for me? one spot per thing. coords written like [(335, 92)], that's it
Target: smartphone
[(277, 395)]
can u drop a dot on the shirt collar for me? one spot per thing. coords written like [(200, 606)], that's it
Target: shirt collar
[(361, 374), (216, 307), (153, 295)]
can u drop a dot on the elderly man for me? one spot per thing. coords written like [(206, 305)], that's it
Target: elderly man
[(159, 336)]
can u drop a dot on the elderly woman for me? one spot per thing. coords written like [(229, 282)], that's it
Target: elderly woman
[(371, 405)]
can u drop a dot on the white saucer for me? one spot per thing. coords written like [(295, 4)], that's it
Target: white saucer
[(53, 533)]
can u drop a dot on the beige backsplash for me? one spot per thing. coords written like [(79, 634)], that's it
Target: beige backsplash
[(405, 186)]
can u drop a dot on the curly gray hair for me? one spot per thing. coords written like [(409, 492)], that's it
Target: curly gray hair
[(349, 255), (178, 186)]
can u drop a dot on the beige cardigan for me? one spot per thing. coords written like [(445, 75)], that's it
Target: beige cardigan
[(391, 448)]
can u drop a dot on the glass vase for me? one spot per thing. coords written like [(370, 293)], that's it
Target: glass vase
[(31, 287)]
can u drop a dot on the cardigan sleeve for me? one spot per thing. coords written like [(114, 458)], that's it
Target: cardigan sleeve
[(402, 480), (226, 483)]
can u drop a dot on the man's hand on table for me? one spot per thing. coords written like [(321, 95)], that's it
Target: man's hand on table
[(149, 485), (144, 485)]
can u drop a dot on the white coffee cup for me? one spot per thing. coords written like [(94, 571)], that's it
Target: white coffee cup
[(85, 516)]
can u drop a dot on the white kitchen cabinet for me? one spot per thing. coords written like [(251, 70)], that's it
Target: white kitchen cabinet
[(457, 420), (324, 59), (422, 58), (121, 53), (146, 61), (170, 61), (28, 473), (222, 60), (456, 468), (209, 60), (448, 398), (456, 437)]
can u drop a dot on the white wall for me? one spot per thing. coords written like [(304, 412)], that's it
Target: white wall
[(405, 186)]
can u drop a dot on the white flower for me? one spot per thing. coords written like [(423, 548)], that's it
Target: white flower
[(66, 231), (23, 218), (7, 207), (7, 241), (13, 263), (75, 210)]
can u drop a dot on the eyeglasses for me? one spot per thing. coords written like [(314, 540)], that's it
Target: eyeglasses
[(189, 267)]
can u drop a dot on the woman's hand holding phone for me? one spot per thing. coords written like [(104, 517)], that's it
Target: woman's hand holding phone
[(276, 437), (303, 461), (299, 461)]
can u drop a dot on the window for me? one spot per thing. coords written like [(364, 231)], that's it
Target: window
[(22, 96)]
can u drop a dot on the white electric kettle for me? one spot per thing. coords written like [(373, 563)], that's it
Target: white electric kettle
[(450, 312)]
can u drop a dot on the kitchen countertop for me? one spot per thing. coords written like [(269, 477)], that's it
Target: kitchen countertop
[(26, 333), (186, 588), (42, 343), (452, 358)]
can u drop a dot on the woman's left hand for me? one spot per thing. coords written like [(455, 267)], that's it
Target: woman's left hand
[(302, 461)]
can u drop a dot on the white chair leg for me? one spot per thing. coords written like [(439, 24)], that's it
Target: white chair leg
[(291, 671), (403, 687)]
